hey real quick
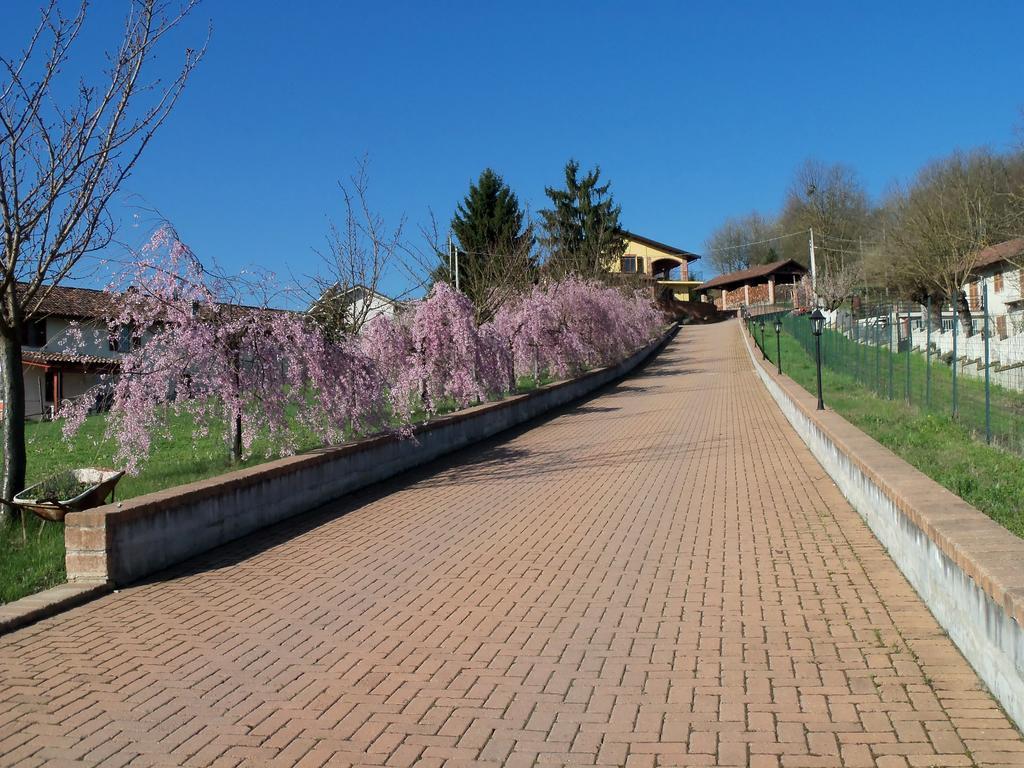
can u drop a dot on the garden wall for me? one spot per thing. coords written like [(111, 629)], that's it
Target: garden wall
[(967, 568), (124, 541)]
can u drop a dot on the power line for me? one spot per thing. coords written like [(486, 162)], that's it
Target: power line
[(759, 242), (838, 250), (858, 241)]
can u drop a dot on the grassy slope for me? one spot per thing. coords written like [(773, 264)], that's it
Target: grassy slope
[(989, 478)]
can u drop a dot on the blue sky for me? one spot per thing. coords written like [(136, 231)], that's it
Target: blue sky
[(695, 111)]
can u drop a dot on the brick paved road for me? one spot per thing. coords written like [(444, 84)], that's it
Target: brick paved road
[(662, 576)]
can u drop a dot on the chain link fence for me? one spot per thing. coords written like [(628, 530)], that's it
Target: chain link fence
[(962, 362)]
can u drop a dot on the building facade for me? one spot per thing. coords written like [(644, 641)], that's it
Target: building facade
[(765, 284), (59, 363), (998, 270), (666, 265)]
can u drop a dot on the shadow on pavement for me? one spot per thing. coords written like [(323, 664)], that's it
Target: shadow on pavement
[(481, 462)]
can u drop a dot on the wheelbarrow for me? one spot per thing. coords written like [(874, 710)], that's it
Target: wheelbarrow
[(100, 482)]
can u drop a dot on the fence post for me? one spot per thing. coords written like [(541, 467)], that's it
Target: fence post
[(830, 348), (892, 329), (928, 357), (910, 348), (956, 333), (878, 358), (856, 344), (988, 383)]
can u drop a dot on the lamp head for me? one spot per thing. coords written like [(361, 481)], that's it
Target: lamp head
[(817, 322)]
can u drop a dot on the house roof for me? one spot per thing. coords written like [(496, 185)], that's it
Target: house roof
[(51, 358), (335, 292), (92, 304), (1010, 250), (662, 246), (80, 303), (754, 274)]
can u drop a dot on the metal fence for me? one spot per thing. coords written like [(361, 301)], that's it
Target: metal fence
[(966, 364)]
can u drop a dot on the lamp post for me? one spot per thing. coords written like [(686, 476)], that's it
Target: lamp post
[(763, 355), (817, 324), (778, 345)]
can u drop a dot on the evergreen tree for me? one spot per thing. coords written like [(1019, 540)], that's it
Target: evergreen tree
[(581, 229), (495, 244)]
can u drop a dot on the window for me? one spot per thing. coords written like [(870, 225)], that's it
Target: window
[(973, 300), (628, 264), (123, 340), (33, 333), (997, 282)]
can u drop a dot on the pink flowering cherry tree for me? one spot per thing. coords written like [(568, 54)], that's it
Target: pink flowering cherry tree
[(567, 326), (435, 352), (260, 374), (253, 371)]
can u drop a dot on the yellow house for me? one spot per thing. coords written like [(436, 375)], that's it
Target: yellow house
[(665, 264)]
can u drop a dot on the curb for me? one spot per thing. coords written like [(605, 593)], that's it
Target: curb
[(49, 602)]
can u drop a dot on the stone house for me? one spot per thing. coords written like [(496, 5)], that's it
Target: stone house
[(763, 284)]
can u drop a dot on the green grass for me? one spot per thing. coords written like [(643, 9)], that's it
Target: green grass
[(928, 383), (36, 561), (32, 565), (988, 477)]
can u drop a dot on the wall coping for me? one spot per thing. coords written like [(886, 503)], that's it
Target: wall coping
[(984, 550)]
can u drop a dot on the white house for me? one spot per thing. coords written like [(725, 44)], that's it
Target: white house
[(999, 269), (53, 374), (354, 306)]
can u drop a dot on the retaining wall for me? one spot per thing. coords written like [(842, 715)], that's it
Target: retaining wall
[(121, 542), (968, 569)]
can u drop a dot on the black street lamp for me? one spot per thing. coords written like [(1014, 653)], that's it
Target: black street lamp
[(778, 345), (817, 325), (763, 355)]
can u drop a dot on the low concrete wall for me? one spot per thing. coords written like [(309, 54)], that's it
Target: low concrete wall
[(967, 568), (122, 542)]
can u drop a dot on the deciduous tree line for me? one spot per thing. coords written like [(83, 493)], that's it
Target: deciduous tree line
[(920, 241)]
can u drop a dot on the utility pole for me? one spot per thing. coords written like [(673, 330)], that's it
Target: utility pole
[(453, 255), (814, 271)]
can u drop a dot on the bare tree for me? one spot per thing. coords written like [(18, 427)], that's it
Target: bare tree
[(494, 277), (938, 225), (837, 281), (741, 242), (62, 160), (828, 198), (360, 253)]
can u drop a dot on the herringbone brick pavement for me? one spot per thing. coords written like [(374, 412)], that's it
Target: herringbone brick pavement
[(660, 576)]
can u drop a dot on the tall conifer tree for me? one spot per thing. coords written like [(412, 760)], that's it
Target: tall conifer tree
[(495, 244), (581, 229)]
